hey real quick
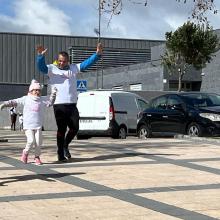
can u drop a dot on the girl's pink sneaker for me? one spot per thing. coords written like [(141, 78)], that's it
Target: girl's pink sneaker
[(24, 157), (37, 161)]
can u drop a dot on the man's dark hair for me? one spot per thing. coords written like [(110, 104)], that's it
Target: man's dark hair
[(64, 54)]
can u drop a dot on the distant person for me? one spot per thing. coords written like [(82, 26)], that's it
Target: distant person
[(33, 112), (63, 76), (13, 115), (20, 119)]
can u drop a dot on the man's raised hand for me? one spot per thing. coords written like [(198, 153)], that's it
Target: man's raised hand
[(99, 49), (41, 50)]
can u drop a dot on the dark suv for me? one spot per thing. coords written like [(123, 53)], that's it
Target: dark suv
[(192, 113)]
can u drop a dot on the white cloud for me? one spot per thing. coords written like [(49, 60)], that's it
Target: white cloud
[(174, 21), (36, 16), (80, 17)]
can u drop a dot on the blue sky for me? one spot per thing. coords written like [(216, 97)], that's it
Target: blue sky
[(6, 8), (80, 17)]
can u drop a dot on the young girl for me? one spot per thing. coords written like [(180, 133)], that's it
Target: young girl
[(34, 105)]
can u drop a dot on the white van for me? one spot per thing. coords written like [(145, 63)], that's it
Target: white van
[(108, 113)]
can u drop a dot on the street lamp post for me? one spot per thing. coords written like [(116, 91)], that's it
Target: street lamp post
[(99, 41), (98, 32)]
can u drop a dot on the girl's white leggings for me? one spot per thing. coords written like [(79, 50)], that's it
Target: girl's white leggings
[(34, 139)]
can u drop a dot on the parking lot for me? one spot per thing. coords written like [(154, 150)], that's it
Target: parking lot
[(156, 178)]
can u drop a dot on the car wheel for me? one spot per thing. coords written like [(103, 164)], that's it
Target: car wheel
[(194, 130), (144, 132), (122, 133)]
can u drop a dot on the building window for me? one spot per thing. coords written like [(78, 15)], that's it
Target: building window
[(117, 88), (136, 87), (186, 86), (173, 86)]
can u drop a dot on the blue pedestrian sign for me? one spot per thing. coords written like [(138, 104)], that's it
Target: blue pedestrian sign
[(81, 85)]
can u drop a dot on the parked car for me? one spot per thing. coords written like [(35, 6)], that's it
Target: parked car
[(108, 113), (191, 113)]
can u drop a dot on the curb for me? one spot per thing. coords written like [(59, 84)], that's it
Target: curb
[(197, 139)]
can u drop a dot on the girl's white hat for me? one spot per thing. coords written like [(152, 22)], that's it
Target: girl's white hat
[(34, 85)]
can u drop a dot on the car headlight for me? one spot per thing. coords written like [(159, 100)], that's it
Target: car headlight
[(210, 116)]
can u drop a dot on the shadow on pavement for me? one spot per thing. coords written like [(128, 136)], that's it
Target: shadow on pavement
[(44, 177), (108, 157)]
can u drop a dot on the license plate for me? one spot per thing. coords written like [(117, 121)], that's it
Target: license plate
[(85, 121)]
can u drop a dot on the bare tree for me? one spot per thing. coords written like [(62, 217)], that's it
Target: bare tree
[(199, 10), (114, 7)]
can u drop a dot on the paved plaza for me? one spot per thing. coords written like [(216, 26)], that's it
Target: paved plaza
[(107, 179)]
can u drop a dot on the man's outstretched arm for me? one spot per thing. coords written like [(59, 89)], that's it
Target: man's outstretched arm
[(41, 65), (93, 59)]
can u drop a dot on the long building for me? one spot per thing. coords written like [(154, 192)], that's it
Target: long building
[(18, 56), (128, 64)]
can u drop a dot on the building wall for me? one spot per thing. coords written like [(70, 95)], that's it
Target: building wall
[(18, 52), (150, 76), (211, 75), (18, 55)]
